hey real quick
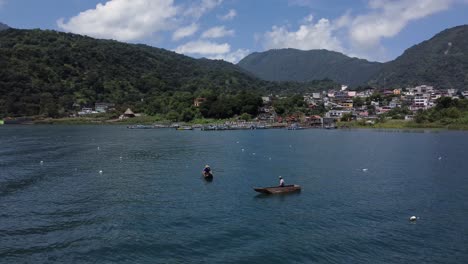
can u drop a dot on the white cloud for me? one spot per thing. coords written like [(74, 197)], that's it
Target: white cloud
[(217, 32), (355, 35), (229, 16), (197, 10), (232, 57), (388, 18), (123, 19), (185, 31), (308, 36), (202, 47)]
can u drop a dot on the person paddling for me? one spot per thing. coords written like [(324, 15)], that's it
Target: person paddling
[(281, 181), (207, 170)]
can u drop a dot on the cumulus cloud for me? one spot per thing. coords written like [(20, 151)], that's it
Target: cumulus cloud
[(308, 36), (217, 32), (123, 19), (184, 32), (212, 50), (232, 57), (360, 34), (387, 18), (203, 48), (199, 9), (229, 16)]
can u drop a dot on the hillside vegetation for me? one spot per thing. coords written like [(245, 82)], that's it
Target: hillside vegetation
[(302, 66), (47, 72), (441, 61)]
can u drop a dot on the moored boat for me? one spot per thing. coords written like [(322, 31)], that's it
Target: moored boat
[(185, 128), (277, 189), (140, 127)]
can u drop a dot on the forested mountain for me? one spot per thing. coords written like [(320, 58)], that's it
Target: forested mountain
[(299, 65), (441, 61), (46, 72), (3, 26)]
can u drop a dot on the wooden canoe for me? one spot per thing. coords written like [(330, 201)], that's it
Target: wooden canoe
[(276, 189), (207, 176)]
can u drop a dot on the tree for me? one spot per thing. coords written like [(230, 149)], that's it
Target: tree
[(172, 116), (347, 117), (358, 101), (245, 117)]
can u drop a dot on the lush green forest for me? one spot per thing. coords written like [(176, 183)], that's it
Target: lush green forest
[(448, 111), (441, 61), (302, 66), (47, 73)]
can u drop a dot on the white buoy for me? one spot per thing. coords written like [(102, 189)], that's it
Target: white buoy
[(42, 162), (98, 148), (100, 172), (440, 158), (253, 153), (120, 157), (413, 218), (364, 170), (243, 150)]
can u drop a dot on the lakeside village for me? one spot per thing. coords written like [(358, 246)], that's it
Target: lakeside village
[(367, 106), (340, 105)]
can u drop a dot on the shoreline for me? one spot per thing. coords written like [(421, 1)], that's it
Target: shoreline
[(388, 125)]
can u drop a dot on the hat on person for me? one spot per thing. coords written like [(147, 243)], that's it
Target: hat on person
[(280, 177), (206, 166)]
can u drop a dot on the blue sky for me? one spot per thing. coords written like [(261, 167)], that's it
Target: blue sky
[(231, 29)]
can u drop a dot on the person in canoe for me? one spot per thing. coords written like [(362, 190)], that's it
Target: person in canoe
[(207, 171), (281, 181)]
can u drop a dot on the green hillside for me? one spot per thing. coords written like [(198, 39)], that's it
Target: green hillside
[(46, 72), (441, 61), (298, 65)]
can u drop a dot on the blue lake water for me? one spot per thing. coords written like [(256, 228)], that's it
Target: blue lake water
[(151, 205)]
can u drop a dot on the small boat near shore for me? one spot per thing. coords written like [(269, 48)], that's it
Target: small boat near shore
[(277, 189), (140, 127), (184, 128)]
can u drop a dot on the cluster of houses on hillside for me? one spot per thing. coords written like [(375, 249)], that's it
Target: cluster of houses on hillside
[(343, 101), (366, 104)]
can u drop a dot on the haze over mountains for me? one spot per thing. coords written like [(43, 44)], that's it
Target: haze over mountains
[(441, 61)]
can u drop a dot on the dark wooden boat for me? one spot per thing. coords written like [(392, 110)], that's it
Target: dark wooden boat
[(277, 189), (208, 176)]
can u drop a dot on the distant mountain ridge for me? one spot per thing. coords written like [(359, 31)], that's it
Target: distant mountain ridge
[(302, 66), (3, 26), (441, 61)]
